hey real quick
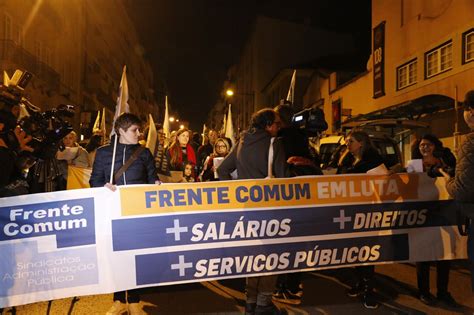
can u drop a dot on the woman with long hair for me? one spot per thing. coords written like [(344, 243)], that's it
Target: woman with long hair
[(361, 157), (181, 152), (221, 149), (425, 149)]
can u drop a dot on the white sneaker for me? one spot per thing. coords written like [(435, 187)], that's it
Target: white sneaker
[(135, 309), (117, 308)]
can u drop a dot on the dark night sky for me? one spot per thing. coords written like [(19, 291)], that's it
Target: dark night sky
[(192, 43)]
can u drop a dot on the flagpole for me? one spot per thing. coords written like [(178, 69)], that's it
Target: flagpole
[(122, 105), (113, 159)]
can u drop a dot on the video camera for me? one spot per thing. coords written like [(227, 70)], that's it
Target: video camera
[(311, 120), (47, 128)]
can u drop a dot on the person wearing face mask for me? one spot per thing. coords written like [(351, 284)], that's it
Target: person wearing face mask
[(461, 185), (360, 157), (181, 152), (426, 149), (140, 170)]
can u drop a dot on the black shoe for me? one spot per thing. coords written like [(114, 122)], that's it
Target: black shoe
[(369, 300), (355, 291), (250, 308), (447, 300), (287, 297), (427, 298)]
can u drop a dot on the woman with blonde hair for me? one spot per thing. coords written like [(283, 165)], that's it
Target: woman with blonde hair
[(221, 149)]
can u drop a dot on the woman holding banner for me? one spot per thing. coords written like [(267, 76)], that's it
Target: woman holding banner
[(362, 157), (133, 164), (434, 157)]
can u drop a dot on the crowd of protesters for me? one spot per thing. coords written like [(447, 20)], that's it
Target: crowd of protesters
[(271, 147)]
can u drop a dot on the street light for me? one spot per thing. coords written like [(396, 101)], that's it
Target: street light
[(171, 119), (230, 93)]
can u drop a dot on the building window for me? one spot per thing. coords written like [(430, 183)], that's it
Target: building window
[(18, 35), (38, 49), (406, 74), (7, 27), (47, 56), (468, 46), (439, 60)]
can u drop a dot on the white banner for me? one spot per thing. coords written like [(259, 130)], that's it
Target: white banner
[(94, 241)]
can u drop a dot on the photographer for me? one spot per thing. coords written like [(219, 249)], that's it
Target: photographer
[(13, 142), (435, 157), (461, 185), (299, 162)]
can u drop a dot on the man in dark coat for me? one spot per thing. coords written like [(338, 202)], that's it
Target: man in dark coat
[(250, 157), (461, 186)]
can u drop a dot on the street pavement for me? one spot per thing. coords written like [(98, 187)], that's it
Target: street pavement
[(324, 293)]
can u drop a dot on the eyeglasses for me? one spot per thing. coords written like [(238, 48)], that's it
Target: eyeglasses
[(426, 144), (223, 146)]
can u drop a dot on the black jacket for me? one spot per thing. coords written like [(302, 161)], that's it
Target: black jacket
[(370, 160), (142, 170), (250, 157)]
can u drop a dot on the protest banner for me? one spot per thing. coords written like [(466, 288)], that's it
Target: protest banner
[(95, 241)]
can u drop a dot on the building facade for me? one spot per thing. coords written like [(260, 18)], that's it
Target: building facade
[(76, 50), (274, 45), (421, 66)]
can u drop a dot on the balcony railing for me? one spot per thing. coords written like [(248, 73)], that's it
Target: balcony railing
[(14, 57)]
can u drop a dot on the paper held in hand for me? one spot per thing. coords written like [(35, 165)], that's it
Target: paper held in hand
[(379, 170), (415, 166), (216, 162), (69, 153)]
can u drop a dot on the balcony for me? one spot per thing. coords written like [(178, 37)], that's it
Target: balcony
[(14, 57)]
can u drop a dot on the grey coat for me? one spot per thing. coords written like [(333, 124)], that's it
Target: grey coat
[(461, 186), (250, 157)]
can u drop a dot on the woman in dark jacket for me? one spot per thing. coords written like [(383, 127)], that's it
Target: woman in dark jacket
[(361, 157), (425, 149), (141, 171)]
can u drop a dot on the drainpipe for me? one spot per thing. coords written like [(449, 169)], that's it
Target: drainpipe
[(456, 121)]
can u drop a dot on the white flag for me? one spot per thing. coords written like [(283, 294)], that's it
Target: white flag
[(224, 122), (291, 91), (166, 122), (122, 99), (204, 131), (99, 124), (6, 78), (102, 125), (229, 130), (96, 127), (152, 135)]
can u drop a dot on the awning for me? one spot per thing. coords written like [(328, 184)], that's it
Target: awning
[(412, 110)]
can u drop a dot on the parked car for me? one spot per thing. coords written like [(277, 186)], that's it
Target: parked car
[(381, 132)]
